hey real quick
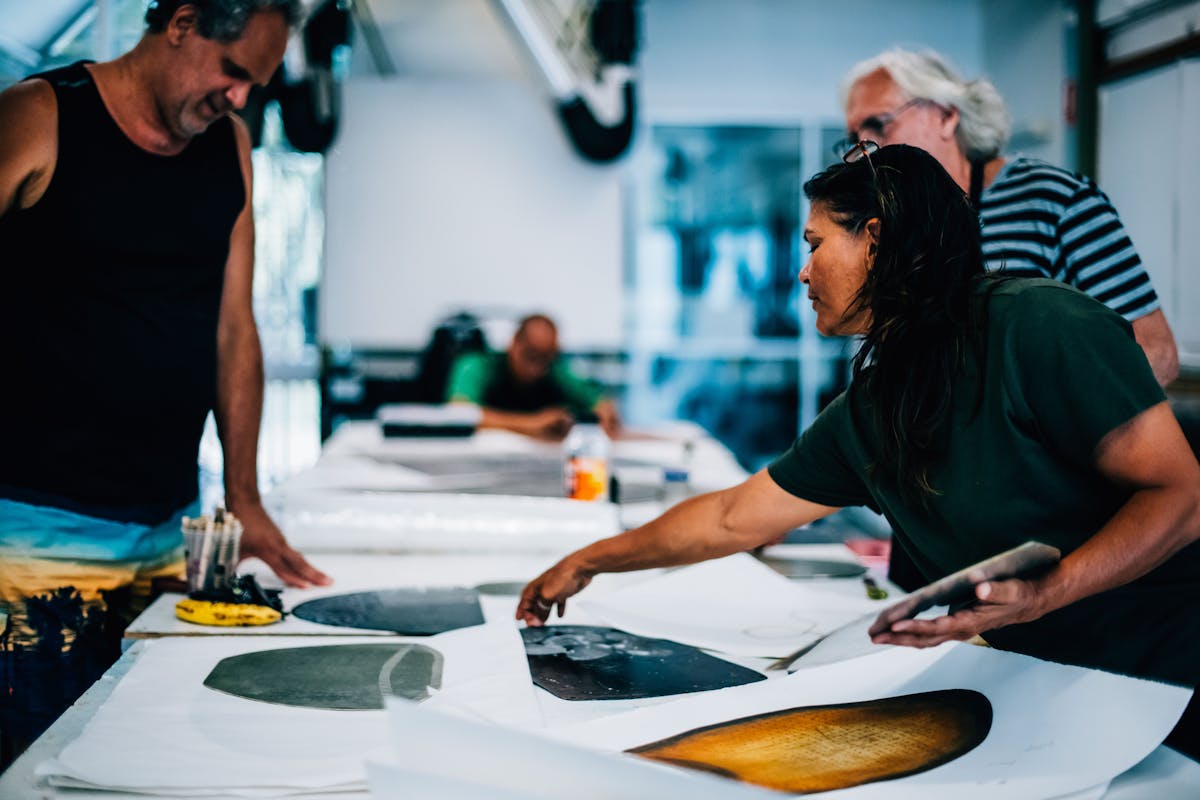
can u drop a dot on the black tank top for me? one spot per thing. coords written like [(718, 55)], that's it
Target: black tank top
[(108, 314)]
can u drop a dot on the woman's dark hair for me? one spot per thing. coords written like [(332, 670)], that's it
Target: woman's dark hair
[(918, 292), (221, 20)]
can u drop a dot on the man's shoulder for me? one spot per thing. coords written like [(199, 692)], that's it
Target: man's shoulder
[(31, 99), (70, 76), (28, 142), (1028, 180), (1024, 165)]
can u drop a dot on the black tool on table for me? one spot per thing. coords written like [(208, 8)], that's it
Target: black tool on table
[(243, 589)]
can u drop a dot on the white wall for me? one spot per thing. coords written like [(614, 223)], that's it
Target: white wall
[(393, 266), (763, 60), (443, 195), (1024, 51), (1156, 187)]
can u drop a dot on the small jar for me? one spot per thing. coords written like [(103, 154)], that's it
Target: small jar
[(585, 463)]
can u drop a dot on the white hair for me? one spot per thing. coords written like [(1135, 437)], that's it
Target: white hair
[(983, 125)]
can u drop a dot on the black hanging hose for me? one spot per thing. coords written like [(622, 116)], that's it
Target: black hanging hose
[(592, 139)]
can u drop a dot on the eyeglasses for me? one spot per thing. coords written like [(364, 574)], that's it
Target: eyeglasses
[(860, 150), (876, 126)]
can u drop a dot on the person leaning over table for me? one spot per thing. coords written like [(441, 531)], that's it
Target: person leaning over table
[(983, 411), (1038, 220), (528, 388), (127, 230)]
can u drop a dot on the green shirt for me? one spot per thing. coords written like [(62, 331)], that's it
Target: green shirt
[(484, 379), (1059, 372)]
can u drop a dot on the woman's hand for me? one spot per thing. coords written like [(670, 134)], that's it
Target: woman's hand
[(999, 603), (551, 588)]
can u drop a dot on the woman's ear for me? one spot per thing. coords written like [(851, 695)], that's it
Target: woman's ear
[(871, 229)]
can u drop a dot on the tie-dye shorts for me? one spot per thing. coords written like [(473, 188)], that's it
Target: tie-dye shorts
[(69, 585)]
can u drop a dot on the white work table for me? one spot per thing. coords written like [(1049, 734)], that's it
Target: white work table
[(361, 572), (351, 516), (359, 457), (1162, 775)]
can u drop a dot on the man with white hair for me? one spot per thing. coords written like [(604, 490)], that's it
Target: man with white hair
[(1037, 220)]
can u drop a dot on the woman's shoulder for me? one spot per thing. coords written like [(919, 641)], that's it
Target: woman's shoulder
[(1004, 293), (1041, 306)]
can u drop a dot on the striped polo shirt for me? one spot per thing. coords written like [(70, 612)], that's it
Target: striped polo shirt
[(1042, 221)]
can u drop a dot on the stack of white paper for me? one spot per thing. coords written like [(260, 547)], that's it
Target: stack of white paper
[(163, 732), (354, 521)]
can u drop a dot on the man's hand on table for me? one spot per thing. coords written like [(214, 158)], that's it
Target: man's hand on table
[(549, 423), (998, 603), (549, 589), (262, 538), (610, 420)]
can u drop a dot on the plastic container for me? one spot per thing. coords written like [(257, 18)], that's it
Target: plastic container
[(585, 463), (675, 486), (211, 550)]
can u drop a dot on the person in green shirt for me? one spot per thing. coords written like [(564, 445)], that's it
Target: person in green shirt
[(983, 412), (528, 389)]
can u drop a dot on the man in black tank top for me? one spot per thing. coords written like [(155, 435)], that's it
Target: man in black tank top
[(127, 232)]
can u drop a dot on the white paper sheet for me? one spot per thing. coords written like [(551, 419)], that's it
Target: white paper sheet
[(1054, 728), (733, 605), (343, 473), (446, 756), (852, 640), (342, 522), (366, 437), (1091, 793), (163, 732), (675, 444), (1165, 773), (429, 414)]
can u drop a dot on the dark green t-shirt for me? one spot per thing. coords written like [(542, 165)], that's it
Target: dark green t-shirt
[(1059, 372)]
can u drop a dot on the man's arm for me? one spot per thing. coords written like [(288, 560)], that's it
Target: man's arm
[(1154, 335), (240, 395), (1097, 254), (1148, 454), (712, 525), (551, 424), (587, 395), (28, 143), (606, 411)]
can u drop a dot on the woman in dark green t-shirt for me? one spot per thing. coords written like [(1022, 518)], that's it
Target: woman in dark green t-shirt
[(983, 412)]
